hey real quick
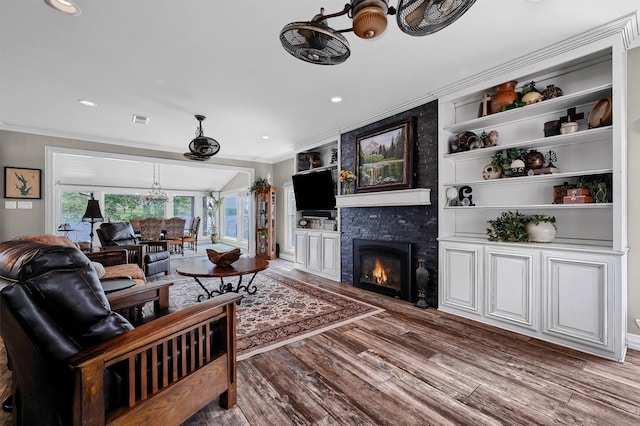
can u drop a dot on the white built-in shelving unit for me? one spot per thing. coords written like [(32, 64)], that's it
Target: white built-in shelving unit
[(571, 291), (318, 241)]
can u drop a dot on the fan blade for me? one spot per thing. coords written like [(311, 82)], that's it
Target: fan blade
[(414, 18)]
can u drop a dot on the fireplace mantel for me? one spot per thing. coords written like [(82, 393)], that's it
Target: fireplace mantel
[(404, 197)]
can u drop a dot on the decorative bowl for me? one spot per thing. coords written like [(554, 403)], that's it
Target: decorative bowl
[(225, 258)]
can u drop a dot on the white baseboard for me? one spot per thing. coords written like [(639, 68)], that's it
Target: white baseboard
[(633, 341), (287, 256)]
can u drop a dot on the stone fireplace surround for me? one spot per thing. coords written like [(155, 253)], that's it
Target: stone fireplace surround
[(417, 224)]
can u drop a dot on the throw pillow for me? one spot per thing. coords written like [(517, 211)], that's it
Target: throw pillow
[(99, 269)]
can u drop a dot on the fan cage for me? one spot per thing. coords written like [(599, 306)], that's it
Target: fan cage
[(417, 19), (314, 43)]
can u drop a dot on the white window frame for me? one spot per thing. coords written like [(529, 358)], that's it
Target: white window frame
[(238, 241), (290, 221)]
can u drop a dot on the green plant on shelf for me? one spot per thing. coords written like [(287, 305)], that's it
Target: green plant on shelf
[(260, 182), (505, 157), (537, 218), (511, 226)]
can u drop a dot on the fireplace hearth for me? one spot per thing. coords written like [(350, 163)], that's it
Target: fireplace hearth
[(383, 267)]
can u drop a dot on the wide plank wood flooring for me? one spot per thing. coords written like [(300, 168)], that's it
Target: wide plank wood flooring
[(409, 366)]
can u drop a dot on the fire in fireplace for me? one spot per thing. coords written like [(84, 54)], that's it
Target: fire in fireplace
[(383, 267)]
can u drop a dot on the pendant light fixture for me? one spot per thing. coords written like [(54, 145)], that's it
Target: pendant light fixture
[(155, 195)]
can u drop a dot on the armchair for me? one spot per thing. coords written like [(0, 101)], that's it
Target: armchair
[(76, 362), (121, 235)]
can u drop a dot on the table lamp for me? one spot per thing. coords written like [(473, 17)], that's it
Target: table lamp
[(93, 215)]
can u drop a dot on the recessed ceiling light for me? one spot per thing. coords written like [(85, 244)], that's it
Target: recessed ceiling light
[(64, 6), (266, 137), (336, 99), (86, 102)]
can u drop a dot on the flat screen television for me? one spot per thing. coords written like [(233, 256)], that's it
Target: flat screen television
[(314, 191)]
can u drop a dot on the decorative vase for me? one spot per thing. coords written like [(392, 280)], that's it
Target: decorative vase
[(551, 92), (517, 168), (505, 95), (422, 279), (542, 232), (532, 98), (347, 188), (535, 159)]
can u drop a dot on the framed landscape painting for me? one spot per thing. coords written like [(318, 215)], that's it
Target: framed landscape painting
[(22, 183), (384, 158)]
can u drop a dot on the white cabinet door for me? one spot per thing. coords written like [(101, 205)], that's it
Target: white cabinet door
[(511, 285), (580, 299), (301, 249), (460, 272), (314, 261), (330, 254)]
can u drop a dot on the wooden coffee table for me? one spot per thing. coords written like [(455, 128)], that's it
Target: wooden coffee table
[(205, 269)]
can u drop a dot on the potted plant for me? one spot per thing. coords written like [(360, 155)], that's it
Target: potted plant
[(260, 182), (509, 226), (213, 205), (505, 159), (541, 228), (517, 227)]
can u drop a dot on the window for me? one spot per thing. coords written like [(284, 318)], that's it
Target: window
[(230, 216), (235, 217), (244, 200), (183, 206), (72, 208), (122, 207), (290, 219)]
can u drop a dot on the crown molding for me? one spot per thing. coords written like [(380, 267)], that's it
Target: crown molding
[(625, 27)]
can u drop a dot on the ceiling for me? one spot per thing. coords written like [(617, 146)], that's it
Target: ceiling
[(169, 60)]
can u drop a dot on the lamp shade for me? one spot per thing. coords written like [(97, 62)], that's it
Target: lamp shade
[(93, 213)]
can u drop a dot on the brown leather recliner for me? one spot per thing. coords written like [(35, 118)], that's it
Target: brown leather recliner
[(76, 362), (121, 234)]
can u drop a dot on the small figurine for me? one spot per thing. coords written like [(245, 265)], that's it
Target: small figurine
[(492, 138), (549, 158), (491, 172), (601, 194), (485, 105), (464, 194)]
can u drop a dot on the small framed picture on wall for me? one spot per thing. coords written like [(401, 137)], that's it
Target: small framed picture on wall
[(22, 183)]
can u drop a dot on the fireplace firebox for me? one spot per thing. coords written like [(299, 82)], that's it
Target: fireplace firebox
[(383, 267)]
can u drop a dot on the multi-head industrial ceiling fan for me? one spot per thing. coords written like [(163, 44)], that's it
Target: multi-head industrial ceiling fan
[(314, 41)]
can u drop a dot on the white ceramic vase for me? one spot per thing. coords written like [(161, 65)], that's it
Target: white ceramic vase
[(543, 232)]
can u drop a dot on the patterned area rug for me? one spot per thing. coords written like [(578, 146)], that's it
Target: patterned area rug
[(283, 310)]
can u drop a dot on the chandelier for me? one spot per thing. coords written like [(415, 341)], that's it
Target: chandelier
[(155, 195)]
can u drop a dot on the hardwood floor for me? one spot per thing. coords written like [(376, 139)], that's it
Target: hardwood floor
[(409, 366)]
